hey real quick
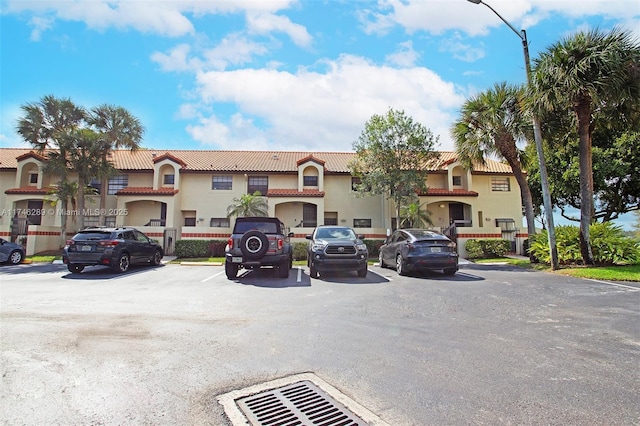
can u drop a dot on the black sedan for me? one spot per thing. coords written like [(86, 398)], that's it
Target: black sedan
[(419, 249)]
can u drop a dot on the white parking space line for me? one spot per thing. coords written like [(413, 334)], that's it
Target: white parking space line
[(615, 284), (299, 279), (380, 275), (212, 276)]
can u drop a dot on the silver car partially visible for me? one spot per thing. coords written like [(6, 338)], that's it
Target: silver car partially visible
[(10, 252)]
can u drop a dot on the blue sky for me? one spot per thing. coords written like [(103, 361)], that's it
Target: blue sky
[(276, 74)]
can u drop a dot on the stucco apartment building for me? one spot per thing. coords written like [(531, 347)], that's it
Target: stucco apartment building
[(184, 194)]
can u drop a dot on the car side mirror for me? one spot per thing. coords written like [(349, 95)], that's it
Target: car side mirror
[(361, 237), (308, 237), (290, 234)]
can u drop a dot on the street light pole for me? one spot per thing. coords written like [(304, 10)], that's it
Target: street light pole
[(537, 135)]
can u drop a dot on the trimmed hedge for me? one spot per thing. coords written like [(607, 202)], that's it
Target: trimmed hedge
[(215, 248), (200, 248), (491, 247)]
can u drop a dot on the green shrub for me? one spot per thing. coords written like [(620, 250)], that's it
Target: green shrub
[(490, 247), (299, 251), (200, 248), (609, 245), (374, 247)]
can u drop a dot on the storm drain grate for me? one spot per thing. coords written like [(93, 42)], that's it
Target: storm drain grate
[(300, 403)]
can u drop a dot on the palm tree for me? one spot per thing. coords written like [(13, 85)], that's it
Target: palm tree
[(583, 73), (63, 193), (45, 122), (248, 205), (414, 216), (84, 148), (491, 124), (118, 129), (47, 125)]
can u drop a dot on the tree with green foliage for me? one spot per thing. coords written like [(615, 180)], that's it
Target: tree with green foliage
[(415, 215), (248, 205), (61, 195), (392, 157), (74, 139), (584, 73), (491, 124), (117, 128)]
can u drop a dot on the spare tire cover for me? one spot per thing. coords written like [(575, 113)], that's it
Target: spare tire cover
[(254, 244)]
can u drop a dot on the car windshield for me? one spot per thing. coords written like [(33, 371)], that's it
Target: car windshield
[(335, 233), (92, 236)]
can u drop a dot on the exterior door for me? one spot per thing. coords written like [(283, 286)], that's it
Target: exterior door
[(310, 215), (456, 212), (34, 212)]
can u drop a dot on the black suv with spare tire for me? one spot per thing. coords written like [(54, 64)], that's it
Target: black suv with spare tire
[(258, 242)]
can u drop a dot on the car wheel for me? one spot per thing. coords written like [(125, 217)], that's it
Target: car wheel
[(123, 263), (283, 269), (400, 266), (313, 272), (16, 257), (75, 269), (362, 272), (382, 265), (157, 258), (254, 244), (450, 271), (231, 270)]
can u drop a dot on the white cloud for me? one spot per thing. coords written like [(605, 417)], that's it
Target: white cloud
[(405, 56), (165, 18), (266, 23), (323, 111), (438, 16), (460, 50)]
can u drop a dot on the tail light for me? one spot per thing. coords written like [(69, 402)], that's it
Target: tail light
[(109, 243), (230, 243), (70, 242), (410, 247), (280, 243)]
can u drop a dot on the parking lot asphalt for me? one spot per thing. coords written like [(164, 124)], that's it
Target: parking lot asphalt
[(493, 344)]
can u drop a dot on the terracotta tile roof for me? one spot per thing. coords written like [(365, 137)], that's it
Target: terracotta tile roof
[(294, 193), (144, 190), (168, 156), (455, 192), (31, 154), (28, 190), (245, 161)]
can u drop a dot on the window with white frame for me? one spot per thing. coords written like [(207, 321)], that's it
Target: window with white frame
[(117, 183), (362, 223), (310, 181), (500, 184), (219, 222), (220, 183), (259, 184)]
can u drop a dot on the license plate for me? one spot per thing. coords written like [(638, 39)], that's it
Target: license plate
[(85, 248), (236, 259), (436, 249)]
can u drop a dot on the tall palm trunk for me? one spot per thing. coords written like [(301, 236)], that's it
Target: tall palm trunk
[(507, 147), (583, 114)]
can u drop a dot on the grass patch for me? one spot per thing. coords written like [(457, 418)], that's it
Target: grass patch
[(505, 260), (607, 273), (43, 259)]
